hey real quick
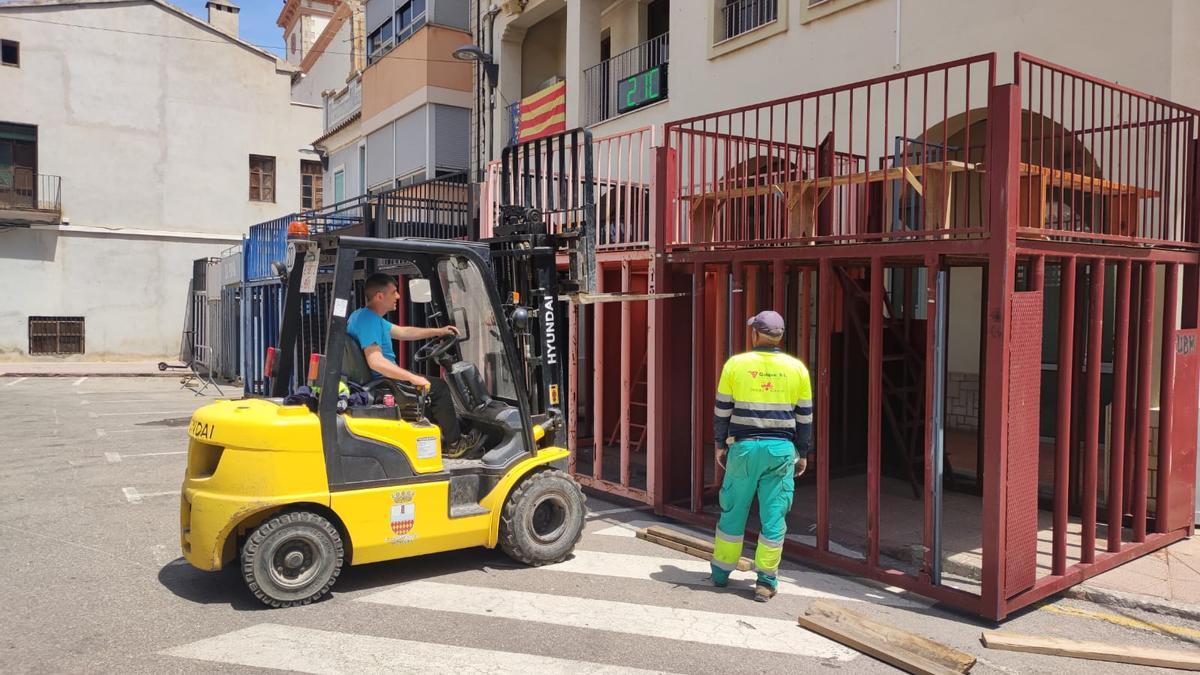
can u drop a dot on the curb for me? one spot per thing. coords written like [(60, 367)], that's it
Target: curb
[(1123, 600)]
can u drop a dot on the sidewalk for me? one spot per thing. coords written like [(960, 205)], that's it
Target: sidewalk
[(88, 369), (1166, 581)]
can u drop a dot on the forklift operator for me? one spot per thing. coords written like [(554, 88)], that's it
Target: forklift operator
[(375, 334)]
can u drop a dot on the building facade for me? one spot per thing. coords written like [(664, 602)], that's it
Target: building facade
[(736, 52), (302, 22), (152, 138), (416, 98)]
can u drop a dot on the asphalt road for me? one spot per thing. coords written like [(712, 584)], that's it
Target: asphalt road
[(89, 477)]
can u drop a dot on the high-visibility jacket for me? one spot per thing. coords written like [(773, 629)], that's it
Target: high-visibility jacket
[(764, 393)]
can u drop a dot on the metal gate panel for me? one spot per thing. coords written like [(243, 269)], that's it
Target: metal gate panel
[(1024, 377), (1180, 509)]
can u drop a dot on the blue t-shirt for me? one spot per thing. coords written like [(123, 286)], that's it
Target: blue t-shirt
[(371, 329)]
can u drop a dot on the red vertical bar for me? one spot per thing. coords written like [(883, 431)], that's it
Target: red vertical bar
[(874, 410), (1166, 396), (738, 309), (699, 416), (598, 381), (1091, 460), (1004, 138), (1141, 462), (778, 282), (626, 366), (1116, 441), (806, 289), (1037, 273), (825, 284), (1062, 446), (573, 388), (932, 267)]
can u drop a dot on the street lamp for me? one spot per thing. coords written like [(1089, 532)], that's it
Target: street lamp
[(492, 71)]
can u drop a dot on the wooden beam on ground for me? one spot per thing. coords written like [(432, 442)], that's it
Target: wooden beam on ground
[(1094, 651), (685, 543), (919, 645), (873, 646), (826, 617)]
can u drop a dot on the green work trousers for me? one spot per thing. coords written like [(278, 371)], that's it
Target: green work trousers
[(762, 467)]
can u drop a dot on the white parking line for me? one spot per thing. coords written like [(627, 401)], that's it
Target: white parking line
[(306, 650), (134, 497), (78, 382), (16, 381), (613, 512), (114, 457), (672, 623)]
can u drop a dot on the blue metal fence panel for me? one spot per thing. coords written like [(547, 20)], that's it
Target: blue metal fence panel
[(262, 306), (266, 243)]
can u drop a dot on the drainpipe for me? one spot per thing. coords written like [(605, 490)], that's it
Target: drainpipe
[(896, 66)]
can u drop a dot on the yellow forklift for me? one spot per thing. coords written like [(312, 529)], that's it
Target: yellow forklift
[(292, 493)]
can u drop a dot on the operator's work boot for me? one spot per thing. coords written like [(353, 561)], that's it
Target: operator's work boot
[(465, 443), (763, 593)]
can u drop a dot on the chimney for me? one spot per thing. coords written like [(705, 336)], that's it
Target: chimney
[(223, 15)]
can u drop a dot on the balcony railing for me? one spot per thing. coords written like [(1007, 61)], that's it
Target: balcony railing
[(600, 81), (24, 190), (340, 106), (743, 16)]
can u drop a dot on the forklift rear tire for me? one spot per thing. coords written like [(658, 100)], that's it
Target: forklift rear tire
[(542, 519), (292, 559)]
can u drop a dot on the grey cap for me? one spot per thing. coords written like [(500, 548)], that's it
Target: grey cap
[(767, 322)]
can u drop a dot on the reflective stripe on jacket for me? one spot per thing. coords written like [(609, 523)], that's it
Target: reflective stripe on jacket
[(764, 393)]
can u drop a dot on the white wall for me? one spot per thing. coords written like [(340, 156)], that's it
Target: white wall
[(330, 70), (147, 133)]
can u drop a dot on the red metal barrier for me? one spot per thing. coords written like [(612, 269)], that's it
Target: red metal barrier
[(1102, 162), (875, 160)]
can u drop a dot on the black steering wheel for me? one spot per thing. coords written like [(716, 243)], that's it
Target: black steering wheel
[(436, 347)]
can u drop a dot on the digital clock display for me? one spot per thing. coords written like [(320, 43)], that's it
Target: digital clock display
[(648, 86)]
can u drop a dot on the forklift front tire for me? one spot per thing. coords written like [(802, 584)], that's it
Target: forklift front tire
[(292, 559), (542, 519)]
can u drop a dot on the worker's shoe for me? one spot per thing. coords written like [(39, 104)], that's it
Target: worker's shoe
[(763, 593), (465, 444)]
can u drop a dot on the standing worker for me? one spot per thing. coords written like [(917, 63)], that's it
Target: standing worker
[(764, 405)]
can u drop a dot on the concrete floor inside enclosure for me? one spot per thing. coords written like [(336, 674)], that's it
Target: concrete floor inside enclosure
[(1000, 321)]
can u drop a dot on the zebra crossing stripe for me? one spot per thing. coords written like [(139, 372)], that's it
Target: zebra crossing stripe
[(306, 650), (688, 625), (695, 572)]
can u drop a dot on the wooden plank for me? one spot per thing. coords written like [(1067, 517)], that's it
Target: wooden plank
[(1094, 651), (873, 646), (921, 646), (685, 543), (1075, 181), (859, 178)]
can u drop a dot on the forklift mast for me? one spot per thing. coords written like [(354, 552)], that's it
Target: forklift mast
[(547, 210)]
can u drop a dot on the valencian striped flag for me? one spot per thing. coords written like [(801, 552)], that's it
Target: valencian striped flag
[(543, 113)]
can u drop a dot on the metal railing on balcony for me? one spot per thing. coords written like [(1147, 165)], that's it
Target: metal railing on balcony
[(340, 106), (743, 16), (25, 190), (600, 81)]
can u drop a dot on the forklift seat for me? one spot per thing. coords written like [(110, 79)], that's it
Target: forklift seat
[(354, 362), (464, 379), (356, 370)]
